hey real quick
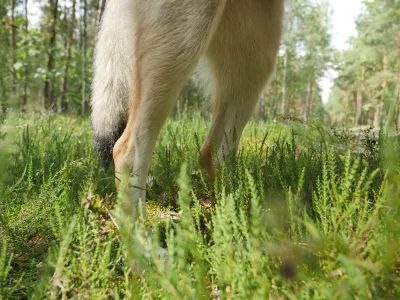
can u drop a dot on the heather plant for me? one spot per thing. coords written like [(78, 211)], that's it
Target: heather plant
[(301, 212)]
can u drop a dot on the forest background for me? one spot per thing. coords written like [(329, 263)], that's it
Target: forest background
[(46, 63)]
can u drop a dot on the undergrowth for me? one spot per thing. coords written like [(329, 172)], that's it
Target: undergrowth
[(301, 212)]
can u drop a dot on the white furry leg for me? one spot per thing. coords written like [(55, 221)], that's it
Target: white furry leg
[(170, 37)]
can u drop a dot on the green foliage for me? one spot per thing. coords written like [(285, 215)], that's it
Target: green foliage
[(367, 89), (304, 57), (5, 267), (301, 212), (306, 40)]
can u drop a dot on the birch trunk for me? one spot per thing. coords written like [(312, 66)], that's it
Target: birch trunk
[(84, 58), (12, 47), (26, 69), (307, 111), (63, 105)]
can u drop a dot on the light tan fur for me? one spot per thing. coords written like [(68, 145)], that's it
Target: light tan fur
[(148, 48)]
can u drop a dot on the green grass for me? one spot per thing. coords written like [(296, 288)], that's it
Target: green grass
[(302, 212)]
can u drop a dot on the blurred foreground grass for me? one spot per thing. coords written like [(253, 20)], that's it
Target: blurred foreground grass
[(302, 212)]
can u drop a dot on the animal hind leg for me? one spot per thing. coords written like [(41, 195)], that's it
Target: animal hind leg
[(170, 37), (242, 57)]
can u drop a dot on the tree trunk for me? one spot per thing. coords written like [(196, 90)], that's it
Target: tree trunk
[(26, 69), (103, 6), (185, 103), (99, 12), (3, 94), (48, 87), (12, 48), (97, 19), (398, 96), (289, 102), (398, 86), (84, 58), (383, 97), (360, 98), (346, 106), (178, 107), (299, 103), (393, 115), (273, 97), (353, 105), (377, 116), (62, 105), (284, 81), (262, 106), (307, 111)]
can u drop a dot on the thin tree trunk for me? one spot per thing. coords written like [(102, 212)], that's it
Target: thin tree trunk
[(398, 97), (185, 104), (102, 8), (289, 102), (393, 115), (262, 106), (12, 48), (99, 13), (26, 69), (354, 101), (346, 106), (97, 20), (62, 105), (80, 29), (383, 97), (84, 58), (398, 86), (360, 98), (377, 115), (285, 62), (48, 87), (178, 107), (4, 95), (299, 103), (272, 99), (307, 111)]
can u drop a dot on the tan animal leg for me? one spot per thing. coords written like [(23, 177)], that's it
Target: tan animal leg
[(170, 37), (242, 56)]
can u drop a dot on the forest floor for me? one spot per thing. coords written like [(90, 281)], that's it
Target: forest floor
[(302, 212)]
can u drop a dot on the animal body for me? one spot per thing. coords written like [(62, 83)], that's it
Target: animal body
[(146, 50)]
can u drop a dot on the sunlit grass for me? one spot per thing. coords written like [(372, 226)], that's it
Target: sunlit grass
[(301, 212)]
